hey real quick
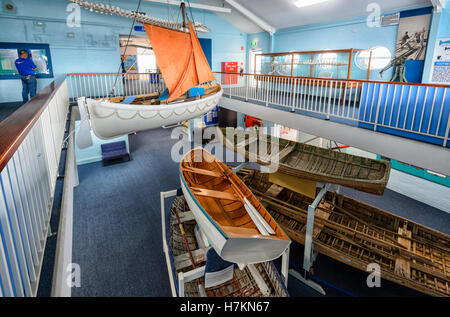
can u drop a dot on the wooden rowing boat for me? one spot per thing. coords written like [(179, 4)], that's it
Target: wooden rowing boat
[(236, 224), (358, 234), (260, 280), (310, 162)]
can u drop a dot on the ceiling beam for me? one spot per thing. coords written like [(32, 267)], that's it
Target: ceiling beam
[(438, 5), (250, 15), (194, 5)]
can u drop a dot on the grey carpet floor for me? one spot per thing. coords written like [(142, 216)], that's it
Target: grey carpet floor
[(7, 108)]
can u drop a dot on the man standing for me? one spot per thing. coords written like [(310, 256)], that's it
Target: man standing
[(27, 69)]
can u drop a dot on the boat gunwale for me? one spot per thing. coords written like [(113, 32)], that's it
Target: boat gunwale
[(198, 204), (372, 186)]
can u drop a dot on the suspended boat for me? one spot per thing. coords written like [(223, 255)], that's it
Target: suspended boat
[(236, 224), (358, 234), (310, 162), (190, 89), (258, 280)]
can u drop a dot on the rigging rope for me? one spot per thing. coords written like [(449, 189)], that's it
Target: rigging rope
[(192, 17), (126, 46)]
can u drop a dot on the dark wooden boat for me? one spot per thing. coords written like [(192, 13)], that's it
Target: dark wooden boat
[(243, 284), (310, 162), (357, 234)]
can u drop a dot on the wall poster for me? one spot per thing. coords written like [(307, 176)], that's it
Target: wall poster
[(440, 72), (413, 36)]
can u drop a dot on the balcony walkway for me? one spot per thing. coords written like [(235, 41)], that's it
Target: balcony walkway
[(402, 121), (350, 132)]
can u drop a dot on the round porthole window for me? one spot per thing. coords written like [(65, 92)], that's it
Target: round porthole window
[(381, 57)]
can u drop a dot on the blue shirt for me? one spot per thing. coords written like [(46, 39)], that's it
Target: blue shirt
[(25, 66)]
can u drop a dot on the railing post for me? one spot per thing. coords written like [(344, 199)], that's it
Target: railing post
[(267, 91), (329, 101), (246, 87), (293, 91), (446, 133), (378, 107)]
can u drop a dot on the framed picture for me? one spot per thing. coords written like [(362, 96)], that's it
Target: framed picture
[(39, 53), (413, 36)]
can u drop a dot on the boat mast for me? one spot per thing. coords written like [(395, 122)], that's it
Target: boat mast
[(183, 13)]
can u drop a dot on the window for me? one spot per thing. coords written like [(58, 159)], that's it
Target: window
[(381, 57), (39, 53)]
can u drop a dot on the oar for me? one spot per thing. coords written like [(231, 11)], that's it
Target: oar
[(258, 220)]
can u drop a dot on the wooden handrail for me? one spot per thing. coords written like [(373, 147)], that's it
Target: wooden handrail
[(91, 74), (337, 79), (15, 127), (313, 52)]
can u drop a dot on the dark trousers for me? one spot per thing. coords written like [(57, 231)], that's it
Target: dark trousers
[(29, 84)]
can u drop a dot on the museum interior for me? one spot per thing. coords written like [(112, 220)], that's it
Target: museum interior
[(225, 148)]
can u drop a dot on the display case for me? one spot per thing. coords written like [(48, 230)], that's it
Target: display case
[(337, 64)]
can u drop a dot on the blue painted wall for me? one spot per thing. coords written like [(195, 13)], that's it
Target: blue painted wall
[(95, 45), (440, 28), (444, 25), (343, 34), (262, 40)]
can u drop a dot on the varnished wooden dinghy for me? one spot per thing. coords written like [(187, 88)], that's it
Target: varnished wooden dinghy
[(236, 224), (258, 280), (311, 162), (358, 234)]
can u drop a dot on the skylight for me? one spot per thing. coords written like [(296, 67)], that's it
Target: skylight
[(307, 3)]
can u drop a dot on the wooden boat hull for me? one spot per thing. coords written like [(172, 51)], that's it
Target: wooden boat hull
[(315, 163), (358, 234), (236, 248), (109, 120), (244, 282)]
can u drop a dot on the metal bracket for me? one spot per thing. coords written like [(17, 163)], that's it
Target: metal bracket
[(239, 167), (309, 255), (184, 277)]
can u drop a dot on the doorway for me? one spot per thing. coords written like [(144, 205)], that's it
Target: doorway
[(252, 64)]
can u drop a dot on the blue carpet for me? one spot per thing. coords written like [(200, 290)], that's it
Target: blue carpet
[(117, 227), (7, 108), (117, 224)]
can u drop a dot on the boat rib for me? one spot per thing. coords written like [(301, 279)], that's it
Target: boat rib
[(358, 234)]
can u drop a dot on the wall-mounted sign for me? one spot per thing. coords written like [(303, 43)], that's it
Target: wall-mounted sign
[(254, 43), (388, 20), (38, 53), (441, 62)]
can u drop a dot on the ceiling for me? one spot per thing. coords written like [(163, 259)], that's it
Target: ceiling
[(235, 17), (283, 13)]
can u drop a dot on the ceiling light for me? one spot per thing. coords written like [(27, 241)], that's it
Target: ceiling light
[(307, 3)]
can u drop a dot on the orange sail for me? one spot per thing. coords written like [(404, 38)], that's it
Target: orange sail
[(180, 58)]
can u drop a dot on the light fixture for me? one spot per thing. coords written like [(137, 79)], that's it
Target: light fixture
[(307, 3)]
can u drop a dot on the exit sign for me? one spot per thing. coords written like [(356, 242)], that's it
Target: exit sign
[(254, 43)]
